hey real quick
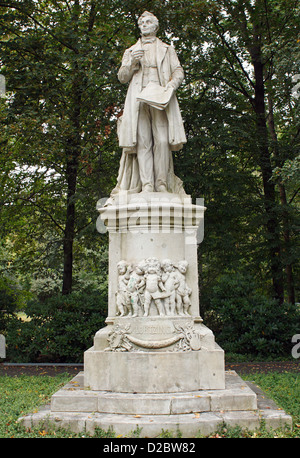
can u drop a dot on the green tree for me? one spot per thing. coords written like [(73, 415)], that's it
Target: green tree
[(59, 60)]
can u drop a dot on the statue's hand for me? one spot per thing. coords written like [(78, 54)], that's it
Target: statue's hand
[(137, 55), (169, 85)]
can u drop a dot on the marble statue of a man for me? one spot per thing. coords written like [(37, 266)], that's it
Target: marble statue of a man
[(146, 134)]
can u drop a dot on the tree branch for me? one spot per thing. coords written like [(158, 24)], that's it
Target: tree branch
[(221, 34), (294, 195), (43, 210), (22, 10)]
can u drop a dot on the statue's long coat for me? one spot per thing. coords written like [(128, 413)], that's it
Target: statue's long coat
[(169, 69)]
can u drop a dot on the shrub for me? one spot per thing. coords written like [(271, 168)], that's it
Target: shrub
[(47, 284), (245, 321), (60, 328), (12, 298)]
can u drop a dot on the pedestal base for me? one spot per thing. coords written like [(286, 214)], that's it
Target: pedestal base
[(154, 355), (154, 372), (191, 413)]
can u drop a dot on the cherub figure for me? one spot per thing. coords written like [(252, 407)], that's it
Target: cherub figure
[(170, 282), (122, 299), (135, 287), (183, 291), (154, 286)]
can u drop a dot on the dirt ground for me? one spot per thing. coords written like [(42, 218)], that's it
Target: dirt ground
[(264, 367), (52, 370), (240, 368)]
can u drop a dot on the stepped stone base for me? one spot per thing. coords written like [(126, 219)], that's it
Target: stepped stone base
[(192, 413)]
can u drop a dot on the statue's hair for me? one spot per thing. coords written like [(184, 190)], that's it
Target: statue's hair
[(153, 262), (154, 18), (166, 261)]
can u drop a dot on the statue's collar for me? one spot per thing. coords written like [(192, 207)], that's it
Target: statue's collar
[(145, 40)]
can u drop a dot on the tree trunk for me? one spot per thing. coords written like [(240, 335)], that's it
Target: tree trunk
[(72, 153), (285, 214), (272, 224), (73, 149), (69, 233)]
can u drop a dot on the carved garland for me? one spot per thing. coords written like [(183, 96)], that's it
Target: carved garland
[(186, 337)]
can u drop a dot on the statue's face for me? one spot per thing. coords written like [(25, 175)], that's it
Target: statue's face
[(182, 268), (139, 270), (168, 267), (147, 26), (121, 269)]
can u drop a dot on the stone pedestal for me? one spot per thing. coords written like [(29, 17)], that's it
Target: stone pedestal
[(156, 359), (155, 341), (155, 365)]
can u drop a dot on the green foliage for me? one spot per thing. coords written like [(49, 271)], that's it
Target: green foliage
[(60, 328), (58, 121), (20, 395), (246, 321), (9, 298), (46, 285), (12, 299), (289, 174), (8, 302)]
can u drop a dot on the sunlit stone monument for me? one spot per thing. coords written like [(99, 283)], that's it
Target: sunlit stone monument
[(155, 364), (155, 341)]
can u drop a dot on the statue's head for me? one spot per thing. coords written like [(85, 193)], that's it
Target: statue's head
[(122, 267), (167, 265), (148, 23), (182, 266), (152, 265)]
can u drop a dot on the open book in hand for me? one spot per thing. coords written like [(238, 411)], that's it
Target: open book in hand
[(156, 96)]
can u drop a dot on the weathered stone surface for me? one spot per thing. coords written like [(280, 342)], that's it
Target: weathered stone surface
[(154, 333), (154, 372), (75, 397), (192, 413)]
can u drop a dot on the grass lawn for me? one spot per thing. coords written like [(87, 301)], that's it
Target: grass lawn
[(24, 394)]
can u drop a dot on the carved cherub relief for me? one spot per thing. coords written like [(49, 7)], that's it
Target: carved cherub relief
[(153, 283)]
